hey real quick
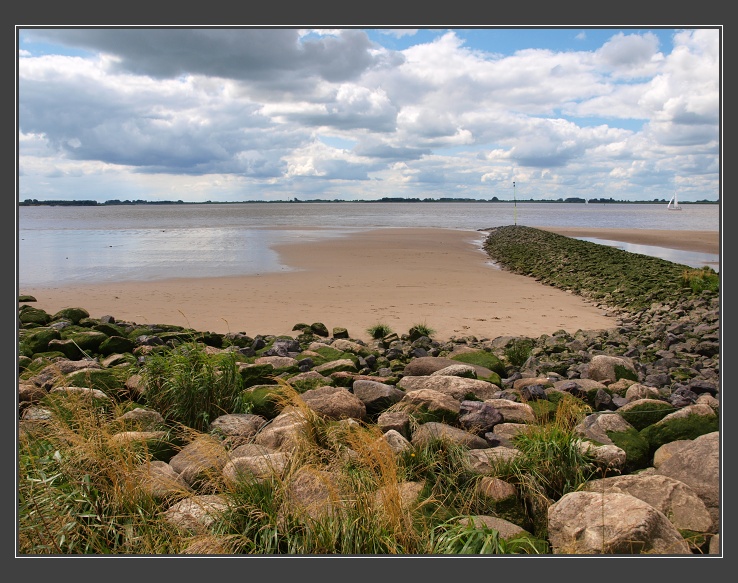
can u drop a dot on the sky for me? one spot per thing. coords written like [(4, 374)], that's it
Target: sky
[(225, 114)]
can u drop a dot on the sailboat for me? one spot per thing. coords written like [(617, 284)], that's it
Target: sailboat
[(674, 203)]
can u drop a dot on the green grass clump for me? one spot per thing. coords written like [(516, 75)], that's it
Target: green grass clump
[(551, 463), (189, 386), (379, 331), (465, 538), (518, 351), (81, 492), (699, 280), (419, 330)]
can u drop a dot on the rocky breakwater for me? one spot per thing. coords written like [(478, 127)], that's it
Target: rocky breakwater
[(647, 392)]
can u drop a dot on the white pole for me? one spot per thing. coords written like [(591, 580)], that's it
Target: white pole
[(515, 205)]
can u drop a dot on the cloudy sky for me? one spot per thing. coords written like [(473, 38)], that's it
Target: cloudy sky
[(235, 114)]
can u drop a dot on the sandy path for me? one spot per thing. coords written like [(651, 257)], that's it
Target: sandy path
[(399, 277)]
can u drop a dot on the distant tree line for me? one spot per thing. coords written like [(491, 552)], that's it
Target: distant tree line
[(114, 202)]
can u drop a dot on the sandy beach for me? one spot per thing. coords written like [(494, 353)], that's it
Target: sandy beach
[(398, 277)]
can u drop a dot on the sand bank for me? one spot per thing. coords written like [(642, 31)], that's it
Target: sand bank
[(698, 241), (398, 277)]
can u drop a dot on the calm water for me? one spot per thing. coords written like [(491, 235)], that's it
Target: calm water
[(66, 245)]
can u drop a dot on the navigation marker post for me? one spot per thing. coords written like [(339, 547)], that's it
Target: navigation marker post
[(515, 205)]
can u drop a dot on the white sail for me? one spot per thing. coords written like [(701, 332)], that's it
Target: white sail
[(674, 204)]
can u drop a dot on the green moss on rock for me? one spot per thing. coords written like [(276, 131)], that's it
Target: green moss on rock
[(642, 415), (263, 400), (636, 448), (38, 341), (32, 315), (482, 358), (109, 381), (689, 427), (74, 315)]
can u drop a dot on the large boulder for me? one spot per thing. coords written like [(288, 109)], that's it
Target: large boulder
[(609, 369), (678, 502), (334, 403), (459, 388), (595, 523), (697, 464)]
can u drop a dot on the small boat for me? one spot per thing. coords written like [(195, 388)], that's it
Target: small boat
[(674, 204)]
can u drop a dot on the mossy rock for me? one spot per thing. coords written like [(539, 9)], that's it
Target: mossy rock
[(641, 416), (319, 329), (493, 378), (623, 372), (511, 508), (109, 329), (689, 427), (32, 315), (49, 356), (211, 339), (326, 354), (329, 354), (26, 298), (38, 341), (286, 371), (636, 448), (257, 374), (74, 315), (116, 345), (423, 415), (88, 342), (264, 400), (559, 368), (302, 385), (337, 366), (69, 348), (305, 339), (340, 332), (24, 362), (177, 336), (109, 381), (482, 358), (140, 331)]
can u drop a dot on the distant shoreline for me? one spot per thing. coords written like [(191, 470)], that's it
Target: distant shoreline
[(35, 202)]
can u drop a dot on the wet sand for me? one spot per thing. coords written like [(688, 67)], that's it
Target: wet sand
[(397, 277)]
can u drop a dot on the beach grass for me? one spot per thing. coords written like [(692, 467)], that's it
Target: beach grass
[(81, 491)]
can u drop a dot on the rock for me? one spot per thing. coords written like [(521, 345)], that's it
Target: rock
[(677, 501), (457, 387), (697, 464), (589, 523), (431, 431), (334, 403), (195, 514), (609, 369), (513, 412)]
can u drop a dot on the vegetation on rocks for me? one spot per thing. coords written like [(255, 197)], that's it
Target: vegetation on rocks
[(604, 273), (180, 441)]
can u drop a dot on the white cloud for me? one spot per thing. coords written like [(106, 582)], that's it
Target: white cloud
[(174, 110)]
